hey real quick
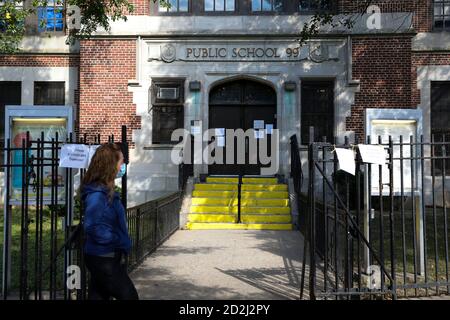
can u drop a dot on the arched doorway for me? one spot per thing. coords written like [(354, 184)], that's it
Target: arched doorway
[(242, 104)]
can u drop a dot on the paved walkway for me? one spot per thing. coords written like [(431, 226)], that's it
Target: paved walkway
[(229, 264)]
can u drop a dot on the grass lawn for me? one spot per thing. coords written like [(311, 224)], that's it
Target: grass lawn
[(32, 254), (437, 258), (437, 251)]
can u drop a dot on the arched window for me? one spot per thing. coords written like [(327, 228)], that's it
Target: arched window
[(242, 92)]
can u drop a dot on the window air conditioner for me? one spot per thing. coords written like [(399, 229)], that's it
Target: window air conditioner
[(168, 93)]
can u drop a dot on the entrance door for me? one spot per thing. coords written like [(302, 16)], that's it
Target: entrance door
[(242, 105)]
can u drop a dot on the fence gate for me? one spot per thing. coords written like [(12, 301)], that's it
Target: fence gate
[(40, 218), (381, 233)]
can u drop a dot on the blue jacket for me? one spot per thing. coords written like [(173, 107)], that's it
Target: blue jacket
[(105, 224)]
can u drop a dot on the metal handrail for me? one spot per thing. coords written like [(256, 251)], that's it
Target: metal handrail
[(233, 197)]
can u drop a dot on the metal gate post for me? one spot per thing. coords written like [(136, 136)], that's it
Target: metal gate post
[(7, 225), (391, 217), (366, 218), (7, 240), (367, 212), (420, 250), (312, 209), (420, 212)]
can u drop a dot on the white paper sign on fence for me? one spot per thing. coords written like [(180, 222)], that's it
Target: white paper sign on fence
[(346, 160), (74, 156), (372, 154)]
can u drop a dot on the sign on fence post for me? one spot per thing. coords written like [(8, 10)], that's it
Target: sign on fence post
[(74, 156), (385, 123), (77, 156), (346, 160)]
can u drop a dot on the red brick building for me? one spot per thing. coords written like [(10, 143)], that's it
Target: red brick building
[(164, 70)]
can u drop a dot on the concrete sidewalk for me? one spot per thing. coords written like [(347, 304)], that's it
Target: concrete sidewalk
[(229, 264)]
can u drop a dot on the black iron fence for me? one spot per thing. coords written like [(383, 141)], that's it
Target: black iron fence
[(150, 224), (42, 238), (382, 232), (298, 177), (42, 251)]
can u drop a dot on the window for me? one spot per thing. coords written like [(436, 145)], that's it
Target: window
[(317, 110), (176, 6), (315, 5), (219, 5), (440, 120), (165, 121), (51, 17), (167, 109), (442, 14), (267, 5), (10, 94), (49, 93)]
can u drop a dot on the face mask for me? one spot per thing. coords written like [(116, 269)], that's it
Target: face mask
[(122, 170)]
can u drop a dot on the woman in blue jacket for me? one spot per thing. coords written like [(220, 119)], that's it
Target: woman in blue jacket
[(105, 226)]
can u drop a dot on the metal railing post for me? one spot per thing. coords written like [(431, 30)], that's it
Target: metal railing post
[(312, 209), (391, 217)]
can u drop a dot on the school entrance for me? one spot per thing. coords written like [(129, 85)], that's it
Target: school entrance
[(242, 104)]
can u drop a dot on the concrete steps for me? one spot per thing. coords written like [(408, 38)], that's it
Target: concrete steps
[(264, 204), (214, 202), (238, 226), (264, 195), (249, 202), (265, 210), (257, 180), (264, 187), (214, 209), (265, 201), (213, 194), (225, 180)]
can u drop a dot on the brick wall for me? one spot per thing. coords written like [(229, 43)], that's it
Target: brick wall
[(383, 66), (105, 103), (29, 60), (423, 21), (141, 7), (423, 17), (385, 5)]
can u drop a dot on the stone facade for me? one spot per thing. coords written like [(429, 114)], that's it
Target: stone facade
[(110, 76)]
